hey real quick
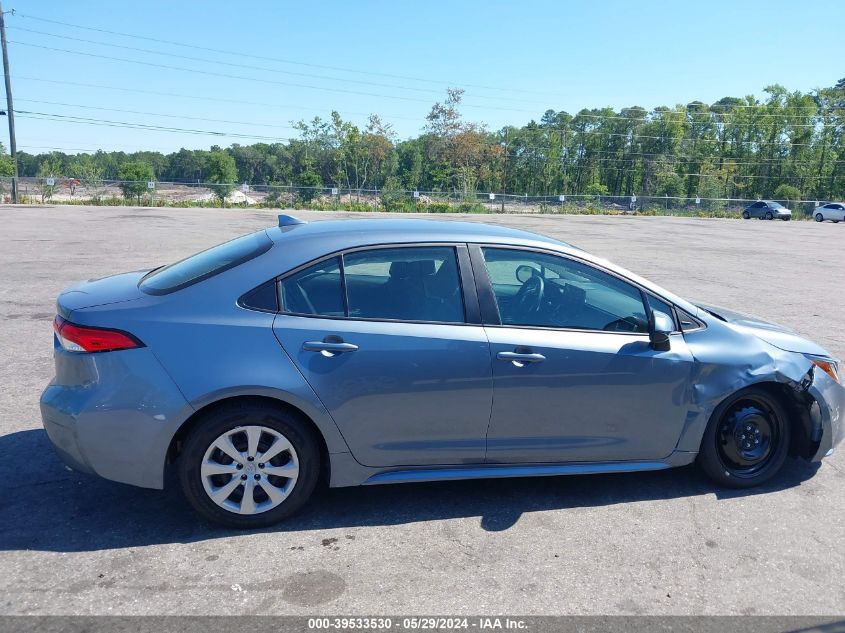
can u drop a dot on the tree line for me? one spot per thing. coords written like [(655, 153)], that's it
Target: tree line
[(787, 145)]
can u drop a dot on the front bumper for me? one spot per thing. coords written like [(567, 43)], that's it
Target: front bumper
[(113, 414), (830, 398)]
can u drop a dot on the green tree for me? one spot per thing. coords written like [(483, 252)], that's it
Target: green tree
[(89, 174), (49, 170), (7, 165), (134, 177), (788, 194), (223, 173)]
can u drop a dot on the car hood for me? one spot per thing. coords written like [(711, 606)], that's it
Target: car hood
[(774, 334)]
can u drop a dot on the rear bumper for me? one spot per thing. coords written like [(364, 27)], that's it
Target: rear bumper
[(113, 414), (830, 398)]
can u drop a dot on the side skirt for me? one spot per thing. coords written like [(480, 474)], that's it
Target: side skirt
[(347, 472)]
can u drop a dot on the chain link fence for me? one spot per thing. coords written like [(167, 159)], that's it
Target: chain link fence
[(64, 190)]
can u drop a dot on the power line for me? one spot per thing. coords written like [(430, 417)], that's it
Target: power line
[(243, 78), (47, 116), (277, 59), (159, 114), (205, 60), (196, 97)]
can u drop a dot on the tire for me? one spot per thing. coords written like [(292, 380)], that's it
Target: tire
[(746, 215), (729, 454), (786, 218), (769, 215), (203, 468), (819, 217)]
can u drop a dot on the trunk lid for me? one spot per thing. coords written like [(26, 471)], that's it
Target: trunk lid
[(97, 292)]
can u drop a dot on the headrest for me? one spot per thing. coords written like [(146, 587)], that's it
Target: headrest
[(417, 268)]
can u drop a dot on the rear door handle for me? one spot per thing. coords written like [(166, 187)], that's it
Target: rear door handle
[(519, 359), (328, 348)]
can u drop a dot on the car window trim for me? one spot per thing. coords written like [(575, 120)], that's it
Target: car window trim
[(472, 315), (490, 309)]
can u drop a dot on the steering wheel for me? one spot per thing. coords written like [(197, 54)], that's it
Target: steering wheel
[(626, 324), (529, 298)]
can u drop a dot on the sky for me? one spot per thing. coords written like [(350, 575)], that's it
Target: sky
[(249, 69)]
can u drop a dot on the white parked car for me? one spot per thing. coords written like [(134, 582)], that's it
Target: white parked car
[(834, 211)]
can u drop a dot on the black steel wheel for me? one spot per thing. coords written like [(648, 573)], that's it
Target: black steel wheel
[(747, 439)]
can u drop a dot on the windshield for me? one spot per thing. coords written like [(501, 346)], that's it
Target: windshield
[(206, 264)]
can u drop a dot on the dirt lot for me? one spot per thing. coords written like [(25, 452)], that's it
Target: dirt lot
[(655, 543)]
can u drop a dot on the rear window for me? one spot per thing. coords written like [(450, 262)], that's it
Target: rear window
[(206, 264)]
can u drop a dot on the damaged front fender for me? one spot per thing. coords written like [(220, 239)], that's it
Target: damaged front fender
[(730, 358)]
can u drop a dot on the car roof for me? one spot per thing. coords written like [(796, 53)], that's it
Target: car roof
[(340, 234)]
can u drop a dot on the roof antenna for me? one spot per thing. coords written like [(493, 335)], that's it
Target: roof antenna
[(287, 222)]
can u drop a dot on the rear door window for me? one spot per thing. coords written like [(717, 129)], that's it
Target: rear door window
[(404, 284), (316, 290)]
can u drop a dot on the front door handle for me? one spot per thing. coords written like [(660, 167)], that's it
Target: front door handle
[(521, 359), (328, 348)]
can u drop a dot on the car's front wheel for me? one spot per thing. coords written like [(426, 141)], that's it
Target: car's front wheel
[(249, 465), (819, 217), (747, 439)]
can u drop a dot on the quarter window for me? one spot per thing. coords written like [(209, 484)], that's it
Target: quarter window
[(538, 289)]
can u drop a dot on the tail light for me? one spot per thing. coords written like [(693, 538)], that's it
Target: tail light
[(84, 338)]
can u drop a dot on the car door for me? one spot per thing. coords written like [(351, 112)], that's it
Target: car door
[(395, 350), (758, 209), (838, 212), (575, 378)]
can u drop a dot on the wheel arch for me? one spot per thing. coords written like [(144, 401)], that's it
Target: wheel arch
[(796, 402), (328, 437)]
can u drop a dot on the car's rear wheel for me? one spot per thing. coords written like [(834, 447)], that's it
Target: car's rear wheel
[(747, 439), (249, 465), (819, 217), (746, 215), (769, 215)]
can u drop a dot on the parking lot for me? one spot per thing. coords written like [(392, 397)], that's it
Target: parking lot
[(654, 543)]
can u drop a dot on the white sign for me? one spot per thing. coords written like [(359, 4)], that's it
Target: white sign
[(334, 191), (416, 194), (492, 196), (51, 182), (817, 203), (561, 198), (245, 188), (151, 184), (697, 200), (633, 198)]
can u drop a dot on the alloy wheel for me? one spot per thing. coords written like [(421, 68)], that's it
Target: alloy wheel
[(249, 469)]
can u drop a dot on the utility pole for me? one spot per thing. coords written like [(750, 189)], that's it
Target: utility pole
[(10, 112), (505, 170)]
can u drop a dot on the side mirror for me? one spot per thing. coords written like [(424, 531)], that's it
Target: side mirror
[(660, 326)]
